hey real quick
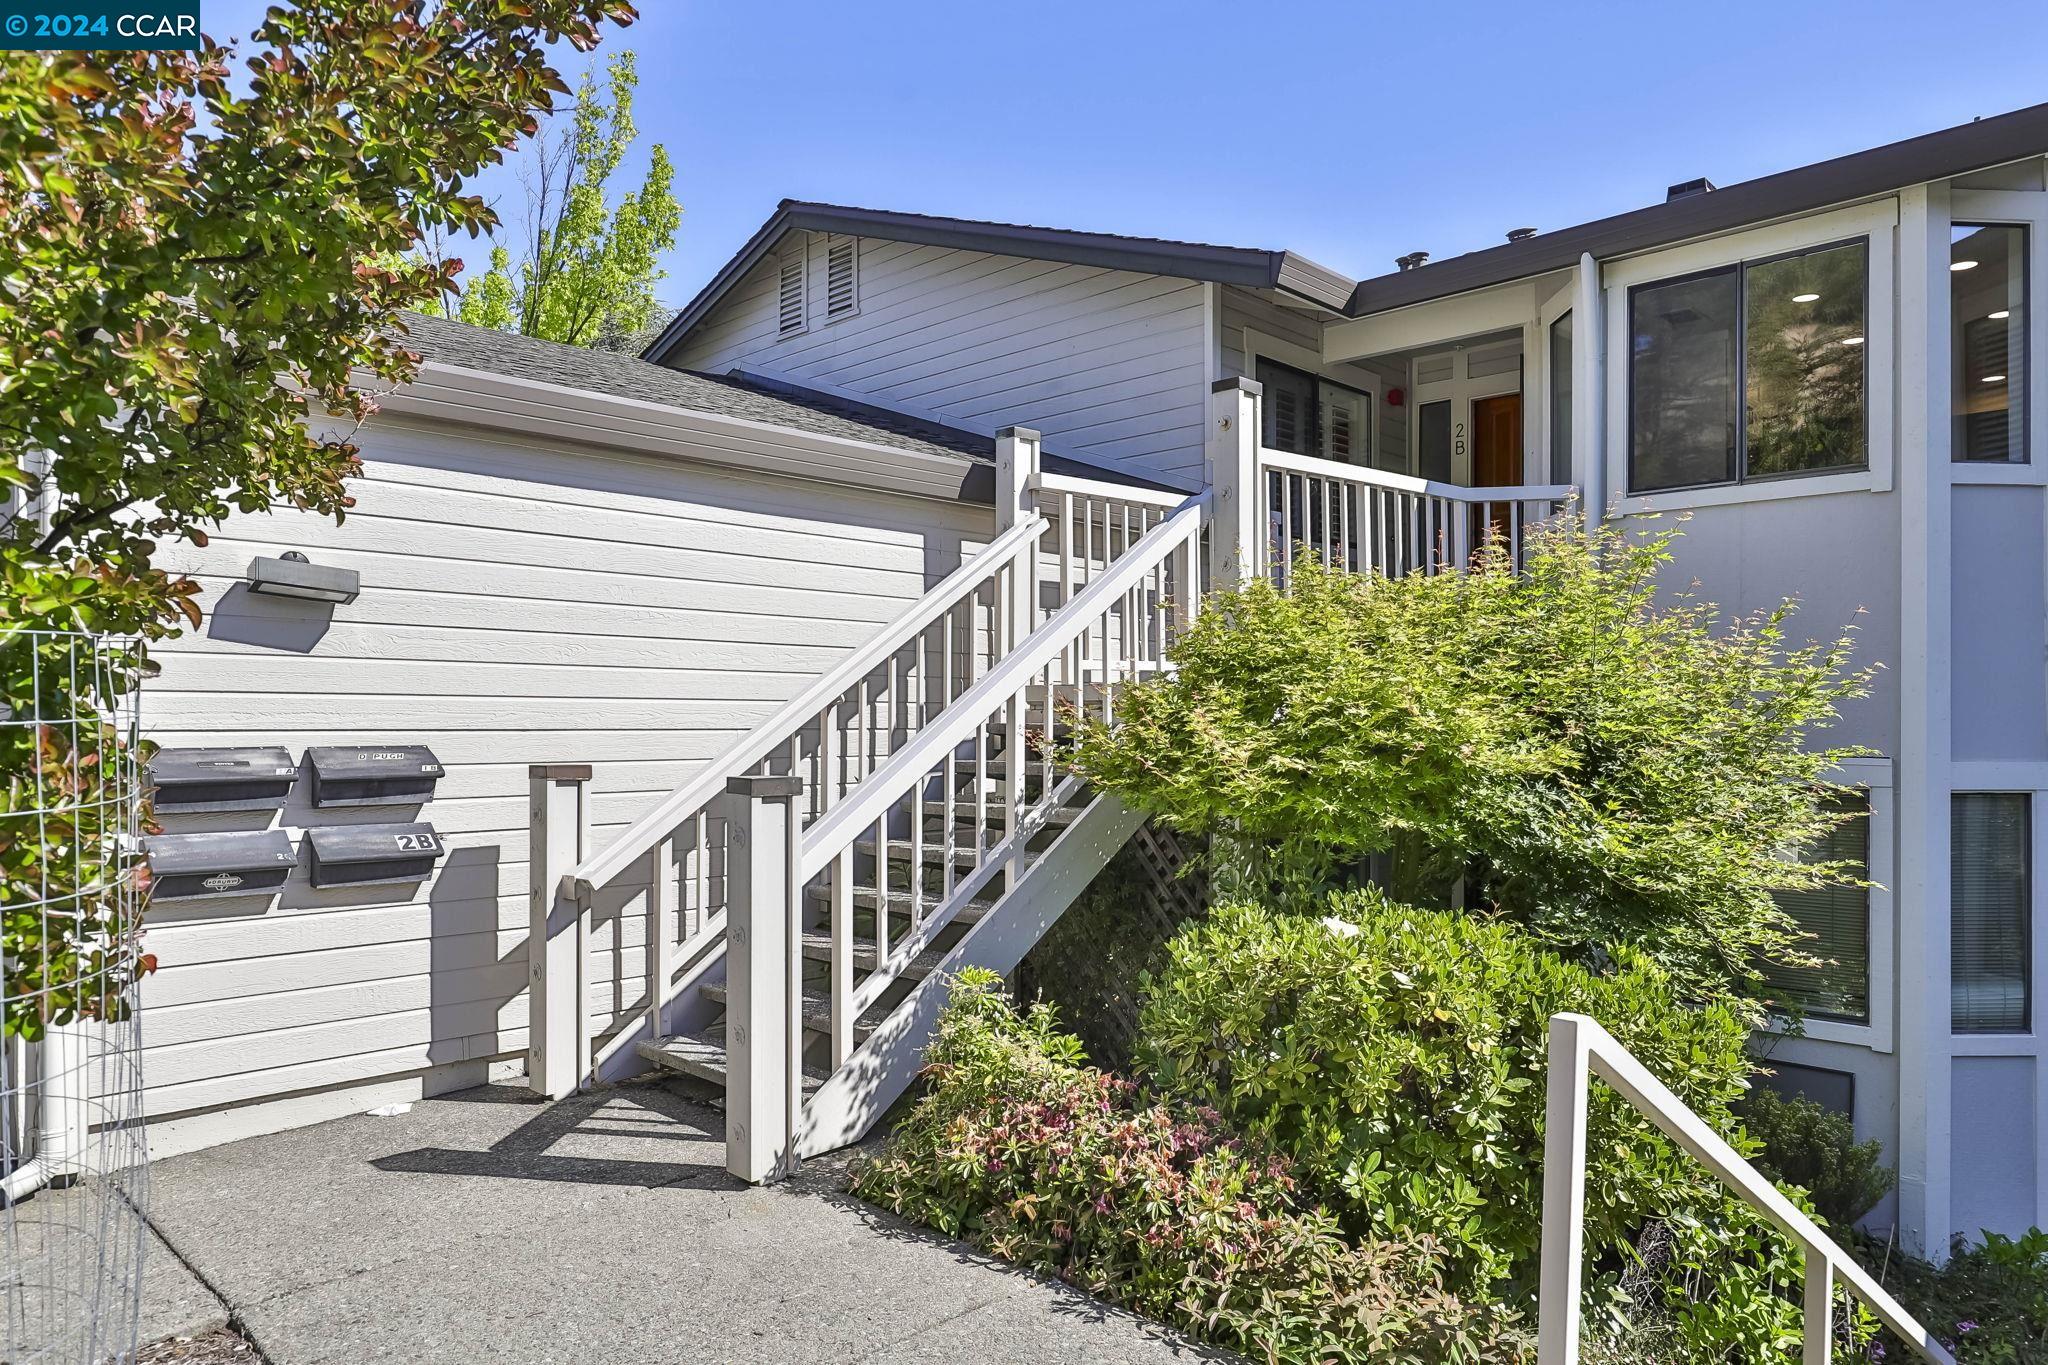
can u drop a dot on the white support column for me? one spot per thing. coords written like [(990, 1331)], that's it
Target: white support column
[(557, 1042), (1018, 460), (763, 1034), (1236, 541), (1564, 1195), (1924, 1035), (1589, 388)]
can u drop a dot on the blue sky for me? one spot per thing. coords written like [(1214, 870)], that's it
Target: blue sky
[(1350, 132)]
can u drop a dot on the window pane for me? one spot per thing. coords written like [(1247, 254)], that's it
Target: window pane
[(1989, 910), (1682, 382), (1803, 349), (1838, 918), (1346, 420), (1433, 440), (1288, 409), (1987, 297), (1561, 400)]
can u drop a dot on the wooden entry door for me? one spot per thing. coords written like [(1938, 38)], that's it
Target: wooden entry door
[(1496, 458)]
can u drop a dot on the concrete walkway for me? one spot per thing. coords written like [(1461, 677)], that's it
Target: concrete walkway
[(482, 1227)]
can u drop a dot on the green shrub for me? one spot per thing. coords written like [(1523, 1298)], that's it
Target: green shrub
[(1399, 1057), (1816, 1149), (1018, 1149), (1988, 1304), (1600, 760)]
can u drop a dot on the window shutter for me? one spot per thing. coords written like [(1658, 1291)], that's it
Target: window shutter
[(842, 277), (789, 294), (1346, 425)]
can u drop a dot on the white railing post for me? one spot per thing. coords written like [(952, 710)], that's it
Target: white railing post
[(763, 1028), (1236, 543), (1820, 1308), (557, 944), (1017, 466), (1564, 1195)]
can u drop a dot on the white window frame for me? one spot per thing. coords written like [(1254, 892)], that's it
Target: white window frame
[(1263, 346), (1874, 777), (833, 243), (2027, 209), (2029, 780), (1877, 221), (1539, 375)]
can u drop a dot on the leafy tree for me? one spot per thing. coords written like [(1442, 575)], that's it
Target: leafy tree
[(190, 267), (589, 272), (1606, 767)]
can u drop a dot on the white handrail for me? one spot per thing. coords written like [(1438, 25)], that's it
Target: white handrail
[(1102, 488), (1579, 1049), (1409, 483), (860, 810), (644, 833)]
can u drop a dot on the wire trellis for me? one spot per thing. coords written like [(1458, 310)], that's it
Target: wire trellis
[(72, 1158)]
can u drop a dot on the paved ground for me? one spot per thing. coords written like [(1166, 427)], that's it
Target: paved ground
[(481, 1227)]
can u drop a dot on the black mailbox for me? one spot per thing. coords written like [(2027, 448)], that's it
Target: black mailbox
[(373, 855), (255, 778), (374, 775), (187, 867)]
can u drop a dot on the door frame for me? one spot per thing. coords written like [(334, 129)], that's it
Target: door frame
[(1460, 390)]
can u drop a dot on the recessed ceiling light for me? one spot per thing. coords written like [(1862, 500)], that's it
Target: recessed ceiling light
[(2000, 314), (1805, 298), (1994, 379), (1962, 265), (1852, 341)]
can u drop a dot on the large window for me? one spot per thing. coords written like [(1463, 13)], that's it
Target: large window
[(1306, 415), (1990, 912), (1837, 922), (1561, 400), (1987, 294), (1751, 371)]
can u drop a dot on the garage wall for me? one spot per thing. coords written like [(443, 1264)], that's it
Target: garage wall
[(522, 602)]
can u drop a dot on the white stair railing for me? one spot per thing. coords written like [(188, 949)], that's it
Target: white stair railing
[(1367, 520), (1115, 630), (1581, 1049)]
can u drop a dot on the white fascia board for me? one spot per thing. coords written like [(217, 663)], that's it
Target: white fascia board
[(1496, 308), (481, 398)]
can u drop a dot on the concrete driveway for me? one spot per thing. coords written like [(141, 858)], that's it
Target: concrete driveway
[(484, 1227)]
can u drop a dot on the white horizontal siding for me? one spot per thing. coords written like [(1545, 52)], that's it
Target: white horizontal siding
[(523, 602), (1108, 364)]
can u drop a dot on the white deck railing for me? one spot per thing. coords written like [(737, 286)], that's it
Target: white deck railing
[(1367, 520), (1579, 1050)]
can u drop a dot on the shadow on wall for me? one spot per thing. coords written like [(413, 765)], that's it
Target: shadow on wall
[(293, 624), (469, 983)]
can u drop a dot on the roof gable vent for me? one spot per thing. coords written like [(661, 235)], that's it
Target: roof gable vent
[(789, 294), (842, 277), (1686, 189)]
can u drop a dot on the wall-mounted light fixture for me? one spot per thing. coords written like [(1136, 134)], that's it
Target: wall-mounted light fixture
[(290, 575)]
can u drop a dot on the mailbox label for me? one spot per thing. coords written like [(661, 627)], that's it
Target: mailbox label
[(222, 881), (416, 843)]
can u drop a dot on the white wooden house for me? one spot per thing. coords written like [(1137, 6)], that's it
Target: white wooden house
[(893, 484)]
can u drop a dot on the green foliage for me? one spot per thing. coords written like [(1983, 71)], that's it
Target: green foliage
[(1606, 766), (1988, 1304), (1022, 1151), (1398, 1056), (1816, 1149), (589, 272), (188, 267)]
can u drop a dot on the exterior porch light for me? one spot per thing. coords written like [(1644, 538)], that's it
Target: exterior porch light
[(289, 575)]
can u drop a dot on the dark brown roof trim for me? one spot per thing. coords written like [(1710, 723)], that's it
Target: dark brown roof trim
[(1246, 267), (1932, 156)]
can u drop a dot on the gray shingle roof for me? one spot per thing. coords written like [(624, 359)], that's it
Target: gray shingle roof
[(751, 398)]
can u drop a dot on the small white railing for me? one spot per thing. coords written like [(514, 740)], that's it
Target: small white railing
[(1367, 520), (1581, 1049), (1114, 631), (1093, 523)]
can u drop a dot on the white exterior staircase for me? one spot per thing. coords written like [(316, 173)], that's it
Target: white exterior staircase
[(802, 902)]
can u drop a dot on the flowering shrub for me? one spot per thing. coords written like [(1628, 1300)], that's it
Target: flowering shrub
[(1399, 1056), (1988, 1304), (1023, 1151)]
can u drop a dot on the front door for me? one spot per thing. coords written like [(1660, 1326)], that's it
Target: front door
[(1496, 457)]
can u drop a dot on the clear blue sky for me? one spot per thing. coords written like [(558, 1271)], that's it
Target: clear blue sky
[(1350, 132)]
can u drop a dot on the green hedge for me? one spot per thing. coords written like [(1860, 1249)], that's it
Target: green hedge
[(1398, 1056)]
